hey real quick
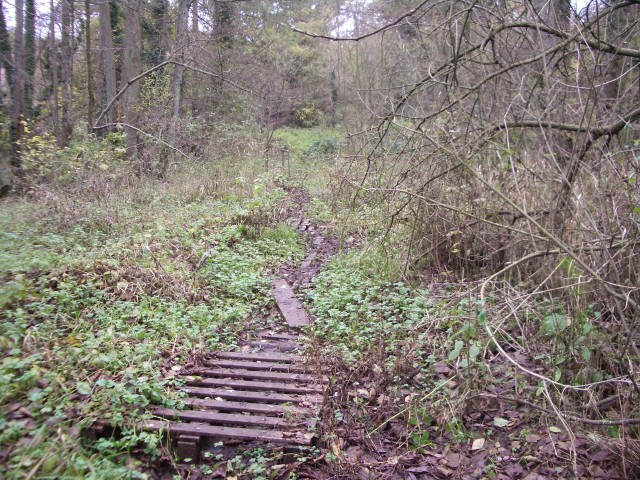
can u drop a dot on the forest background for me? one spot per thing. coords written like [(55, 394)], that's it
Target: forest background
[(483, 156)]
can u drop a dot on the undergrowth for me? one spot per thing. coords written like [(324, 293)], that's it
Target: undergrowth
[(107, 294)]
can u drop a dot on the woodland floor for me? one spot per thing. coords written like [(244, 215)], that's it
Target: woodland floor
[(393, 410), (362, 435)]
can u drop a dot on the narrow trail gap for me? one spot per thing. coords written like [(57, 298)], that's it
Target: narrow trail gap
[(268, 393)]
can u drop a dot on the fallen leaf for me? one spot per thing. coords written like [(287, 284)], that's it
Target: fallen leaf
[(453, 459), (500, 422), (478, 443), (532, 438)]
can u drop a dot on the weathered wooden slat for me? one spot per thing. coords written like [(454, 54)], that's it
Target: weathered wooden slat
[(279, 336), (215, 418), (265, 366), (260, 356), (256, 374), (245, 407), (263, 397), (255, 386), (290, 307), (307, 262), (233, 433), (276, 346)]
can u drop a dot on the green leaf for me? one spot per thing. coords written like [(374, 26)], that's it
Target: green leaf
[(83, 388), (555, 430), (456, 350), (474, 351), (586, 354)]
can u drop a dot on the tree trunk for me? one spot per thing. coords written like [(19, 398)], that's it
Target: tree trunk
[(53, 69), (107, 60), (91, 100), (66, 65), (194, 16), (17, 92), (6, 61), (131, 68), (181, 45), (29, 55)]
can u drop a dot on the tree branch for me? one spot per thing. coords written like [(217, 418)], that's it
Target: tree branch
[(366, 35), (158, 139), (149, 72)]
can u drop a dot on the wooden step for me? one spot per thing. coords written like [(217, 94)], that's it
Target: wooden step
[(260, 356), (253, 374), (263, 397), (307, 262), (245, 407), (255, 386), (290, 307), (276, 346), (279, 336), (228, 419), (230, 433), (264, 366)]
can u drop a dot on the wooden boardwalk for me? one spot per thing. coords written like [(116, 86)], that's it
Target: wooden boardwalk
[(264, 393)]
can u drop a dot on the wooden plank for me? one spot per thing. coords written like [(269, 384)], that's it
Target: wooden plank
[(229, 433), (307, 262), (255, 386), (231, 419), (257, 408), (264, 366), (289, 306), (256, 374), (277, 346), (279, 336), (264, 397), (260, 356), (189, 447)]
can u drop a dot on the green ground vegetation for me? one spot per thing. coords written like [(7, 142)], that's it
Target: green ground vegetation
[(107, 286)]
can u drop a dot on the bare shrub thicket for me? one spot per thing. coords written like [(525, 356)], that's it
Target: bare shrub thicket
[(505, 140)]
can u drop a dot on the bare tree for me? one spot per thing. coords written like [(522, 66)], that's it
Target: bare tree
[(17, 90), (181, 44), (131, 68), (91, 100), (107, 60), (30, 55), (66, 68)]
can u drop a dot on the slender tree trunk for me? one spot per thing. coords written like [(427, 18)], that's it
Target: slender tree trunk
[(66, 65), (107, 59), (53, 68), (6, 60), (17, 92), (131, 68), (29, 55), (194, 16), (91, 100), (181, 45)]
